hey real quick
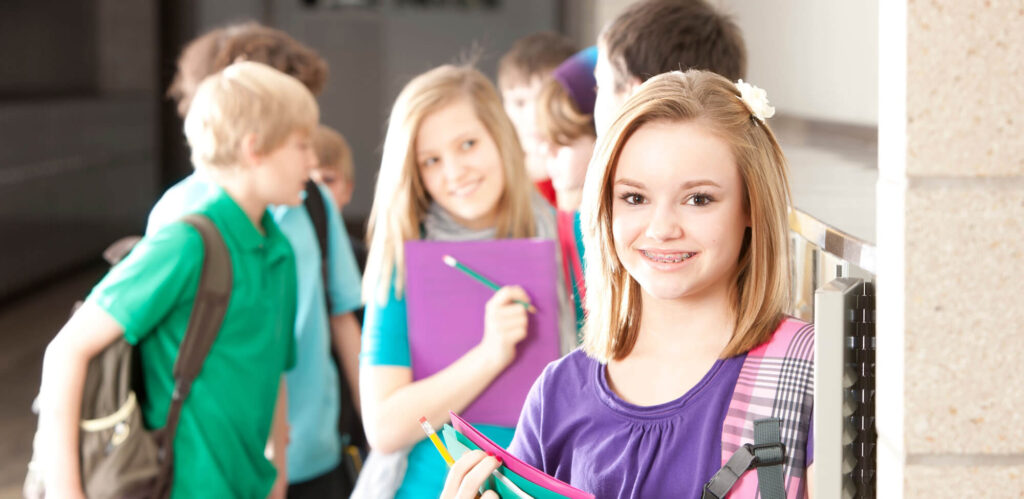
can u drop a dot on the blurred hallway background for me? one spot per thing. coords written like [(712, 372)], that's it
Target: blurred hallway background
[(88, 141)]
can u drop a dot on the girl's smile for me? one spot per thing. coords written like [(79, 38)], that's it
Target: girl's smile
[(665, 259), (465, 189)]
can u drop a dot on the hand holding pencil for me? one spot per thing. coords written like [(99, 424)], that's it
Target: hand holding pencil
[(505, 324), (505, 319)]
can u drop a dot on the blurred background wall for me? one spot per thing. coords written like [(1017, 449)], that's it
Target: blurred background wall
[(88, 141)]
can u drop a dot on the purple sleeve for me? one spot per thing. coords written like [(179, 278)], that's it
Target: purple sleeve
[(526, 444)]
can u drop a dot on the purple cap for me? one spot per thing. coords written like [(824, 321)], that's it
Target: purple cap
[(576, 75)]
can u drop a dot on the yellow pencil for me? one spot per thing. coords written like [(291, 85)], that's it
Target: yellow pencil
[(437, 441)]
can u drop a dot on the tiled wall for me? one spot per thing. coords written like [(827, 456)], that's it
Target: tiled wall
[(79, 170), (952, 330)]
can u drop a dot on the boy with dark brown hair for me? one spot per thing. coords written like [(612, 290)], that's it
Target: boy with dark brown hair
[(656, 36), (250, 41)]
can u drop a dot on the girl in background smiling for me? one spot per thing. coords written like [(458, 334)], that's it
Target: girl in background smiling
[(687, 343), (452, 170)]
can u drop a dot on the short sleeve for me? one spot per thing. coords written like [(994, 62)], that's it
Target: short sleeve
[(344, 279), (160, 273), (386, 332), (526, 444)]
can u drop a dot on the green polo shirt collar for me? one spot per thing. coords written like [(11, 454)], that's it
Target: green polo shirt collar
[(236, 224)]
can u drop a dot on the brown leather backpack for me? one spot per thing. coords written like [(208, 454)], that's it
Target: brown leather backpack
[(119, 457)]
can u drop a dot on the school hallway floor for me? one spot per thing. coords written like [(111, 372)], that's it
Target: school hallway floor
[(27, 324), (833, 176)]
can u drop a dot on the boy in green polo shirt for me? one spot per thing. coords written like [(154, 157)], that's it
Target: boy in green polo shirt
[(249, 128)]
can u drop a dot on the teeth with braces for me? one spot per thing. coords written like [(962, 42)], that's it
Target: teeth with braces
[(667, 259)]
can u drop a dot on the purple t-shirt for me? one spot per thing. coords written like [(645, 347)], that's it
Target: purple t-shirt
[(576, 429)]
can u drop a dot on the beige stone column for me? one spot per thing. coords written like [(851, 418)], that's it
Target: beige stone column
[(950, 211)]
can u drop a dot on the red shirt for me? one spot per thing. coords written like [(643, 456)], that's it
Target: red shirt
[(547, 190)]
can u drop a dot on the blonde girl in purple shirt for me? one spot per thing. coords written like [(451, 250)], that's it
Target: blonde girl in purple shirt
[(684, 216)]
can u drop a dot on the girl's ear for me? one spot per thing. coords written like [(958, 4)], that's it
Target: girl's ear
[(248, 153)]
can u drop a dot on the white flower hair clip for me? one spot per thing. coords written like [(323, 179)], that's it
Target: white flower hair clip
[(756, 100)]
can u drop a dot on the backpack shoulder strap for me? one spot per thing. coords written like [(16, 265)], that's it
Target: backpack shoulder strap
[(317, 208), (766, 454), (776, 382), (120, 249), (207, 315)]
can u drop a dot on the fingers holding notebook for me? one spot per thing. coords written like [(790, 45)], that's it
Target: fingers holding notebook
[(468, 475)]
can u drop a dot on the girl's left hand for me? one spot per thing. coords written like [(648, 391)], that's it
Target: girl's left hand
[(468, 474)]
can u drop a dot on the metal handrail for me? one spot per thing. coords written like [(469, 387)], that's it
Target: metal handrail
[(842, 306), (833, 241)]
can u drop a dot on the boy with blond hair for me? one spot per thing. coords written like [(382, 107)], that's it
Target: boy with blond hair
[(328, 274), (249, 131), (522, 72)]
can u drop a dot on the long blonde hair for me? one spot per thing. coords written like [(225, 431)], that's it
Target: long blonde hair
[(400, 201), (762, 273)]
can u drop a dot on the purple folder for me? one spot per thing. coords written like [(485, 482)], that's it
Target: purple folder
[(446, 314)]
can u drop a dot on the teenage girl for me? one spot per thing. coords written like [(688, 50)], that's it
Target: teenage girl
[(687, 342), (452, 170)]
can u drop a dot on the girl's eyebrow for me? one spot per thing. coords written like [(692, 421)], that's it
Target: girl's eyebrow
[(688, 185), (697, 183), (465, 133), (630, 183)]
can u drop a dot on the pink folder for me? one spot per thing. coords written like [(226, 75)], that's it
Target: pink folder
[(513, 463), (446, 314)]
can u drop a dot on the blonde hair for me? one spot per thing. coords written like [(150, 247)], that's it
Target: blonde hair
[(400, 201), (559, 120), (333, 152), (246, 98), (762, 275)]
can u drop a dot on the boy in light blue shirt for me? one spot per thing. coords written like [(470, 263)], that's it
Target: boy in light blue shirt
[(315, 446)]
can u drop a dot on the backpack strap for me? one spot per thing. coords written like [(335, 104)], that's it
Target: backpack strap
[(770, 454), (120, 249), (766, 454), (317, 208), (775, 381), (204, 323)]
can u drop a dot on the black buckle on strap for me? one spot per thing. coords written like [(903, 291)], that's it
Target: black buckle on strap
[(764, 458)]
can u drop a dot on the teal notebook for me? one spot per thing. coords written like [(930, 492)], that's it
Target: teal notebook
[(505, 487), (460, 437), (458, 445)]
